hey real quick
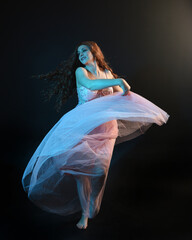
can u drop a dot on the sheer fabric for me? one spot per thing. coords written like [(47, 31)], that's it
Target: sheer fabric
[(68, 171)]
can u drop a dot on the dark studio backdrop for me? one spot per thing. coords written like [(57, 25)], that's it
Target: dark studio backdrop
[(149, 43)]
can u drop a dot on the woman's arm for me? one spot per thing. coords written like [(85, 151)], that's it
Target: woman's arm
[(117, 89), (95, 84)]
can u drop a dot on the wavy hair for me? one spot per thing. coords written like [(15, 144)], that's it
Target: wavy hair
[(62, 81)]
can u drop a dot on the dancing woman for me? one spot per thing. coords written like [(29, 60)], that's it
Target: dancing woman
[(68, 171)]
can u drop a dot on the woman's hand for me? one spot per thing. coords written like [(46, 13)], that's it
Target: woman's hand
[(125, 86)]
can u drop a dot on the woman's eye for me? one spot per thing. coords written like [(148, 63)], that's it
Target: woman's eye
[(84, 50)]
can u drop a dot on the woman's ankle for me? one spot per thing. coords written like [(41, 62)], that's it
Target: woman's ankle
[(84, 215)]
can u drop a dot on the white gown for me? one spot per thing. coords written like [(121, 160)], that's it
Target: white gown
[(68, 171)]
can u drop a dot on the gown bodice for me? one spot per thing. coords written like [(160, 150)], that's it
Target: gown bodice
[(85, 94)]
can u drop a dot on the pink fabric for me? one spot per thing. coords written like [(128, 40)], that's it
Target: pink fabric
[(68, 171)]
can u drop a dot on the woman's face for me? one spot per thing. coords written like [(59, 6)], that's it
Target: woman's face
[(85, 55)]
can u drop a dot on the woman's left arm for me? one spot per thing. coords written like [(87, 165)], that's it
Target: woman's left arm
[(117, 89)]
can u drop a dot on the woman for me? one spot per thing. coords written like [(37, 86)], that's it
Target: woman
[(68, 171)]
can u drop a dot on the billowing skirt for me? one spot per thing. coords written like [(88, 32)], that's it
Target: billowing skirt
[(67, 173)]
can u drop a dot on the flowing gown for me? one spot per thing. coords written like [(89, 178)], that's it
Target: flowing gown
[(68, 171)]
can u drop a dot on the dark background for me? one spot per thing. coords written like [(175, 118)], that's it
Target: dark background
[(149, 42)]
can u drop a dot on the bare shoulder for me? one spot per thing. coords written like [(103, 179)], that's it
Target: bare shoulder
[(80, 71), (110, 75), (107, 70), (82, 78)]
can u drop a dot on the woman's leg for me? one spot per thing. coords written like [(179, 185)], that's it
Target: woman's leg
[(83, 189), (90, 192)]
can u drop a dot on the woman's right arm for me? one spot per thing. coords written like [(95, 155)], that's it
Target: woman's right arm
[(97, 84)]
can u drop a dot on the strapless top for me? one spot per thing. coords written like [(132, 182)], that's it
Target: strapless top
[(85, 94)]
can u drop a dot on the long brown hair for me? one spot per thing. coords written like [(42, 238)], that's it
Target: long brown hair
[(62, 81)]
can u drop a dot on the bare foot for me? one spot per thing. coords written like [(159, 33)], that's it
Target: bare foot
[(83, 222)]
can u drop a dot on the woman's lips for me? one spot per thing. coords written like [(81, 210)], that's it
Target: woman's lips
[(83, 58)]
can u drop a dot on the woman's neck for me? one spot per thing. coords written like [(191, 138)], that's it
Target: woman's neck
[(93, 68)]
